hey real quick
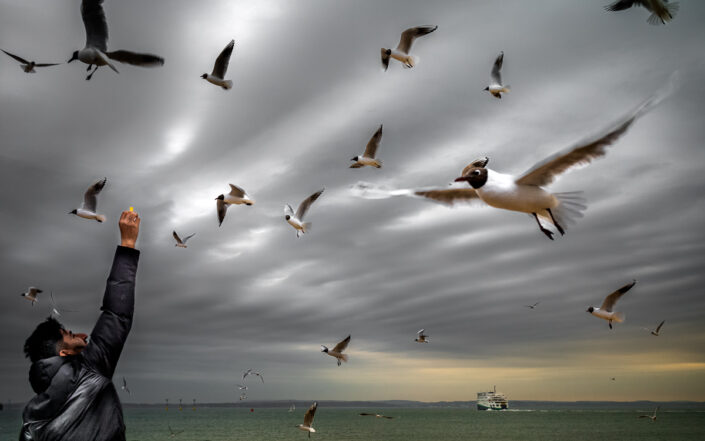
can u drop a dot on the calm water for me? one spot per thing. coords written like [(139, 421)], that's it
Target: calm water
[(219, 424)]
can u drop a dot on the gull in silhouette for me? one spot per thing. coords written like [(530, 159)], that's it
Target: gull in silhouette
[(308, 420), (401, 53), (532, 306), (337, 351), (90, 202), (124, 386), (28, 66), (220, 68), (496, 88), (657, 330), (95, 53), (661, 10), (368, 158), (605, 310)]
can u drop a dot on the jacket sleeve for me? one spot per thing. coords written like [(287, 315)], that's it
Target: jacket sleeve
[(110, 332)]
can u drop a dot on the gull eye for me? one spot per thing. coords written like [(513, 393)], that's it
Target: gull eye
[(476, 173)]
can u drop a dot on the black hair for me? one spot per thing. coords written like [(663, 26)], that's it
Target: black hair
[(43, 343)]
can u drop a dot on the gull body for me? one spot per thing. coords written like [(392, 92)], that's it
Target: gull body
[(651, 417), (605, 311), (307, 426), (90, 202), (220, 68), (533, 306), (181, 243), (95, 53), (337, 351), (31, 294), (28, 66), (368, 158), (296, 220), (237, 196), (401, 53), (422, 338), (124, 386), (656, 331), (661, 10), (496, 88)]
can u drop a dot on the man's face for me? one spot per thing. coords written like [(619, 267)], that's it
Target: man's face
[(72, 343)]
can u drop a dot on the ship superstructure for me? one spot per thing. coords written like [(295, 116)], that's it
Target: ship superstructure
[(492, 400)]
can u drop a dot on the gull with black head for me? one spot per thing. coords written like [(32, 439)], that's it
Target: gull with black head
[(401, 53), (605, 310)]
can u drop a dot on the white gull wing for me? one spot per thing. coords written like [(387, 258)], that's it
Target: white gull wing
[(89, 198), (304, 206), (584, 152), (455, 194), (496, 75), (96, 26), (188, 237), (236, 191), (371, 149), (221, 63), (611, 299), (409, 35)]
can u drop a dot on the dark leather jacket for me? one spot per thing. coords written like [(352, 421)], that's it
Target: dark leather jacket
[(75, 398)]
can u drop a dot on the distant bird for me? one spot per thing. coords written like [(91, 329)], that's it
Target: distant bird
[(237, 196), (308, 420), (95, 53), (525, 193), (422, 338), (292, 407), (657, 330), (368, 158), (651, 417), (241, 387), (88, 209), (337, 351), (376, 415), (401, 53), (28, 66), (251, 372), (613, 379), (454, 194), (496, 88), (181, 243), (661, 10), (220, 67), (532, 306), (243, 396), (605, 310), (31, 294), (173, 433), (297, 220), (124, 386)]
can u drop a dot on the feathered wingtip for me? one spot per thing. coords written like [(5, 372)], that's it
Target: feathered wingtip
[(368, 190), (672, 84)]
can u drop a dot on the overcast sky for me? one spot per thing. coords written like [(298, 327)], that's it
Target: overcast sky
[(309, 91)]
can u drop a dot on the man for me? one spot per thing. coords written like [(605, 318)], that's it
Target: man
[(75, 398)]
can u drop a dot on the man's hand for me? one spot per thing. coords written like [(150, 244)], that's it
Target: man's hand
[(129, 228)]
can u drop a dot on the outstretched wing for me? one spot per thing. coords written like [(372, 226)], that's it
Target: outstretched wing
[(385, 58), (611, 299), (304, 206), (621, 5), (95, 24), (223, 60), (90, 201), (178, 239), (188, 237), (659, 326), (20, 59), (236, 191), (136, 58), (371, 149), (496, 74), (310, 413), (340, 347), (221, 207), (409, 35)]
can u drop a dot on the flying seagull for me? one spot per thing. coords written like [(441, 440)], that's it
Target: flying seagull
[(376, 415), (237, 196), (181, 243), (337, 351), (243, 396), (661, 10), (651, 417), (525, 193), (605, 310), (657, 330), (220, 67), (31, 294), (297, 220), (422, 338), (28, 66), (124, 386), (292, 407), (532, 306), (401, 53), (173, 433), (251, 372), (496, 88), (308, 420), (87, 210), (95, 53), (368, 158)]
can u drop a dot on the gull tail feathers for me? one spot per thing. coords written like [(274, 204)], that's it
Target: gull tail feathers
[(506, 89), (344, 357), (663, 16), (368, 190), (411, 61), (100, 218), (619, 317), (227, 85), (570, 208), (307, 227)]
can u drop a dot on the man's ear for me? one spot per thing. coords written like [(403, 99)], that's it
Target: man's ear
[(67, 352)]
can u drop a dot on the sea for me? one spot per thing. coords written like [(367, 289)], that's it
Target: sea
[(407, 424)]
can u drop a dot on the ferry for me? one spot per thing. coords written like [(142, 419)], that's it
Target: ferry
[(492, 400)]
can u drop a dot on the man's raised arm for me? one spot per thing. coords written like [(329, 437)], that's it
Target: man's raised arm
[(113, 326)]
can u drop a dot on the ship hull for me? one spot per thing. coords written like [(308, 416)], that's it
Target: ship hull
[(482, 407)]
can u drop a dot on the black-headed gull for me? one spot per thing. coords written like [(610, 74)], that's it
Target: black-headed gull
[(605, 311), (496, 88), (368, 158), (90, 202), (296, 220), (337, 351), (661, 10), (220, 68), (401, 53), (28, 66), (308, 420)]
